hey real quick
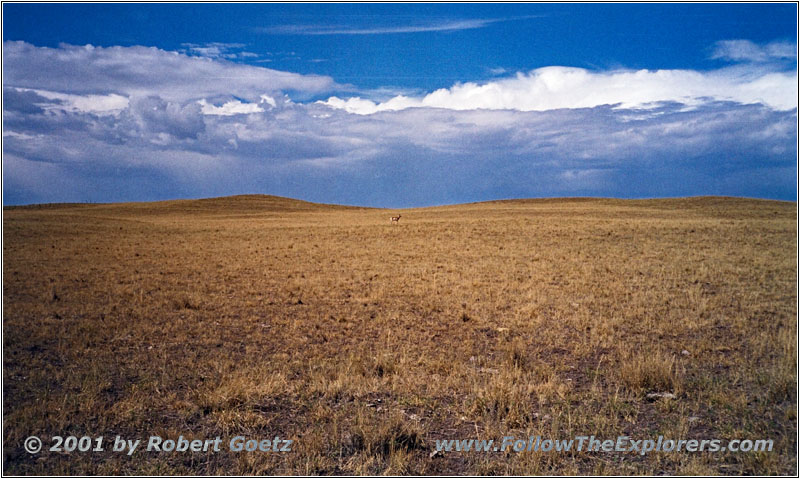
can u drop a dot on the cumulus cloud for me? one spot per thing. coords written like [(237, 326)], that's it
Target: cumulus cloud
[(552, 88)]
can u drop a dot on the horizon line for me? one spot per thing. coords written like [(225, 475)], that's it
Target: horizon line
[(438, 205)]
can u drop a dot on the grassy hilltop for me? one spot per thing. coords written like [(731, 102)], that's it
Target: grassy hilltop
[(365, 341)]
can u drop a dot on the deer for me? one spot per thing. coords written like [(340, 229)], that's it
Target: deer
[(396, 219)]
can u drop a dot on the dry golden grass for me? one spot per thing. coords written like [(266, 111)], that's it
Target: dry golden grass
[(365, 341)]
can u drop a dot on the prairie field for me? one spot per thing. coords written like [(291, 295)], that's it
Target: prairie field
[(364, 342)]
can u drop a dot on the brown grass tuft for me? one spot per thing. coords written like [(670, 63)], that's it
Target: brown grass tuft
[(650, 372)]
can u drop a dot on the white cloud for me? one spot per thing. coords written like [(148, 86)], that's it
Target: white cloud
[(144, 71), (218, 50), (269, 101), (97, 104), (233, 107), (747, 51), (553, 88), (438, 26), (366, 107), (19, 136)]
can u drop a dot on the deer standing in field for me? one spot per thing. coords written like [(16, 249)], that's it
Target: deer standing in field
[(396, 219)]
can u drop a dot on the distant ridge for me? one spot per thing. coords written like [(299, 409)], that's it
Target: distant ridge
[(271, 203), (222, 204), (583, 199)]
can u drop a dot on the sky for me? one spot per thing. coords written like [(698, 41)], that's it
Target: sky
[(398, 105)]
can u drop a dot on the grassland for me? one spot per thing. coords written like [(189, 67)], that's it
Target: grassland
[(364, 341)]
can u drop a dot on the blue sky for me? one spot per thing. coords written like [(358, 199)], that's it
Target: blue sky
[(398, 104)]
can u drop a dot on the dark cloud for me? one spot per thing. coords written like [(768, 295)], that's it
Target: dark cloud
[(428, 156), (25, 101), (154, 115)]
